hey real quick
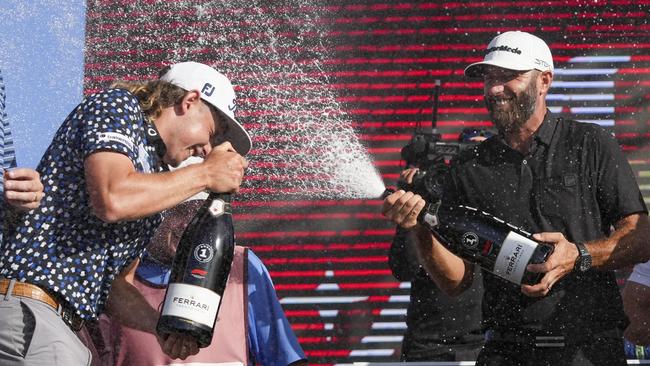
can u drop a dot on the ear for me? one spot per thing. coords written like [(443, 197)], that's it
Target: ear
[(191, 100), (546, 78)]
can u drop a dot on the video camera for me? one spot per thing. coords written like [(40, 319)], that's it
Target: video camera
[(430, 155), (426, 149)]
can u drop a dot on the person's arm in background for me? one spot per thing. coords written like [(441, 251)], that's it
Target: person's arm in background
[(402, 256), (271, 339), (127, 306), (403, 259), (23, 190), (22, 187), (636, 301), (450, 273)]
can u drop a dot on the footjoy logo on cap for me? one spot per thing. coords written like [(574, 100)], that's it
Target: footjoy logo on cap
[(208, 89), (232, 107)]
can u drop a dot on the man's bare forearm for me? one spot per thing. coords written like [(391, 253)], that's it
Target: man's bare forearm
[(626, 246), (126, 304), (449, 272)]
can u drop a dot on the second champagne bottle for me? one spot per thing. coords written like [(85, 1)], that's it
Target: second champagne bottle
[(479, 237)]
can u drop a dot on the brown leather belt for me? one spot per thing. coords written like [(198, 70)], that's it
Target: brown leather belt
[(23, 289)]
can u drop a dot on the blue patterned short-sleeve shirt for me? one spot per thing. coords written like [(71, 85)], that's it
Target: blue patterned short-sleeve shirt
[(62, 246)]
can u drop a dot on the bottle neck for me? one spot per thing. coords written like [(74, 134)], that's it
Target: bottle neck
[(218, 203), (226, 197)]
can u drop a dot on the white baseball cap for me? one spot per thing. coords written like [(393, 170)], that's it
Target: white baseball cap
[(514, 50), (189, 161), (215, 89)]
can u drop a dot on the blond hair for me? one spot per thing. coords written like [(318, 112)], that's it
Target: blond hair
[(153, 95)]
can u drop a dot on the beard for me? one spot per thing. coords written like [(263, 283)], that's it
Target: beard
[(512, 116)]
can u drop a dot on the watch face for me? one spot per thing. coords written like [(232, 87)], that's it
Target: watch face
[(584, 264)]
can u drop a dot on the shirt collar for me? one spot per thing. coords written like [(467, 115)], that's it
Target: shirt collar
[(543, 134), (545, 131)]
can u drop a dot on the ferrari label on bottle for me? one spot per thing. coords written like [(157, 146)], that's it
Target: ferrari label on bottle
[(191, 302), (513, 257)]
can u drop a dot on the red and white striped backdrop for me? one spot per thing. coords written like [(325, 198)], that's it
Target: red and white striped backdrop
[(371, 65)]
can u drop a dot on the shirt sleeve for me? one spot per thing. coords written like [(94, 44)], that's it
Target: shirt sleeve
[(402, 258), (271, 339), (617, 188), (108, 121)]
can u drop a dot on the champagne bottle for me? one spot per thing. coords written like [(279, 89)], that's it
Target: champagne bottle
[(479, 237), (199, 272)]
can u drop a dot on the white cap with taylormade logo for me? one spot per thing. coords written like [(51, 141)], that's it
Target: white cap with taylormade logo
[(215, 89), (514, 50)]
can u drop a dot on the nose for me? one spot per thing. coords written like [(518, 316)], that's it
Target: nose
[(207, 148), (201, 150), (493, 87)]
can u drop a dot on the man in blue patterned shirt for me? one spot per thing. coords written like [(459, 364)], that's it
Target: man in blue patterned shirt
[(20, 188), (104, 188)]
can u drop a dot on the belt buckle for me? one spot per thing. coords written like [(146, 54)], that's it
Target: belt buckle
[(549, 341)]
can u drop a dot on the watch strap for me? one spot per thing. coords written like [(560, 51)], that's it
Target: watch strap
[(583, 262)]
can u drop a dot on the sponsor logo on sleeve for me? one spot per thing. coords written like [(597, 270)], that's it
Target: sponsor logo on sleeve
[(115, 137)]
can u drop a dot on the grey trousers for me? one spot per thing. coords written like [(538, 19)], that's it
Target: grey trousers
[(32, 333)]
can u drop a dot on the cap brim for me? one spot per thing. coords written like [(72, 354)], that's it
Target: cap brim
[(236, 135), (477, 69)]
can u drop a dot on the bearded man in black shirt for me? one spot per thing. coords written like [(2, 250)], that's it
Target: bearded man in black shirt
[(565, 180)]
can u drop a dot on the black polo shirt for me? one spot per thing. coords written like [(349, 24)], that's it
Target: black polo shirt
[(574, 180)]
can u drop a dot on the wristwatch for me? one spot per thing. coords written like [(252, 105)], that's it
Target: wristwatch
[(583, 262)]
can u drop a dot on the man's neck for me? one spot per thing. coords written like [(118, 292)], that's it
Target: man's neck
[(522, 139)]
